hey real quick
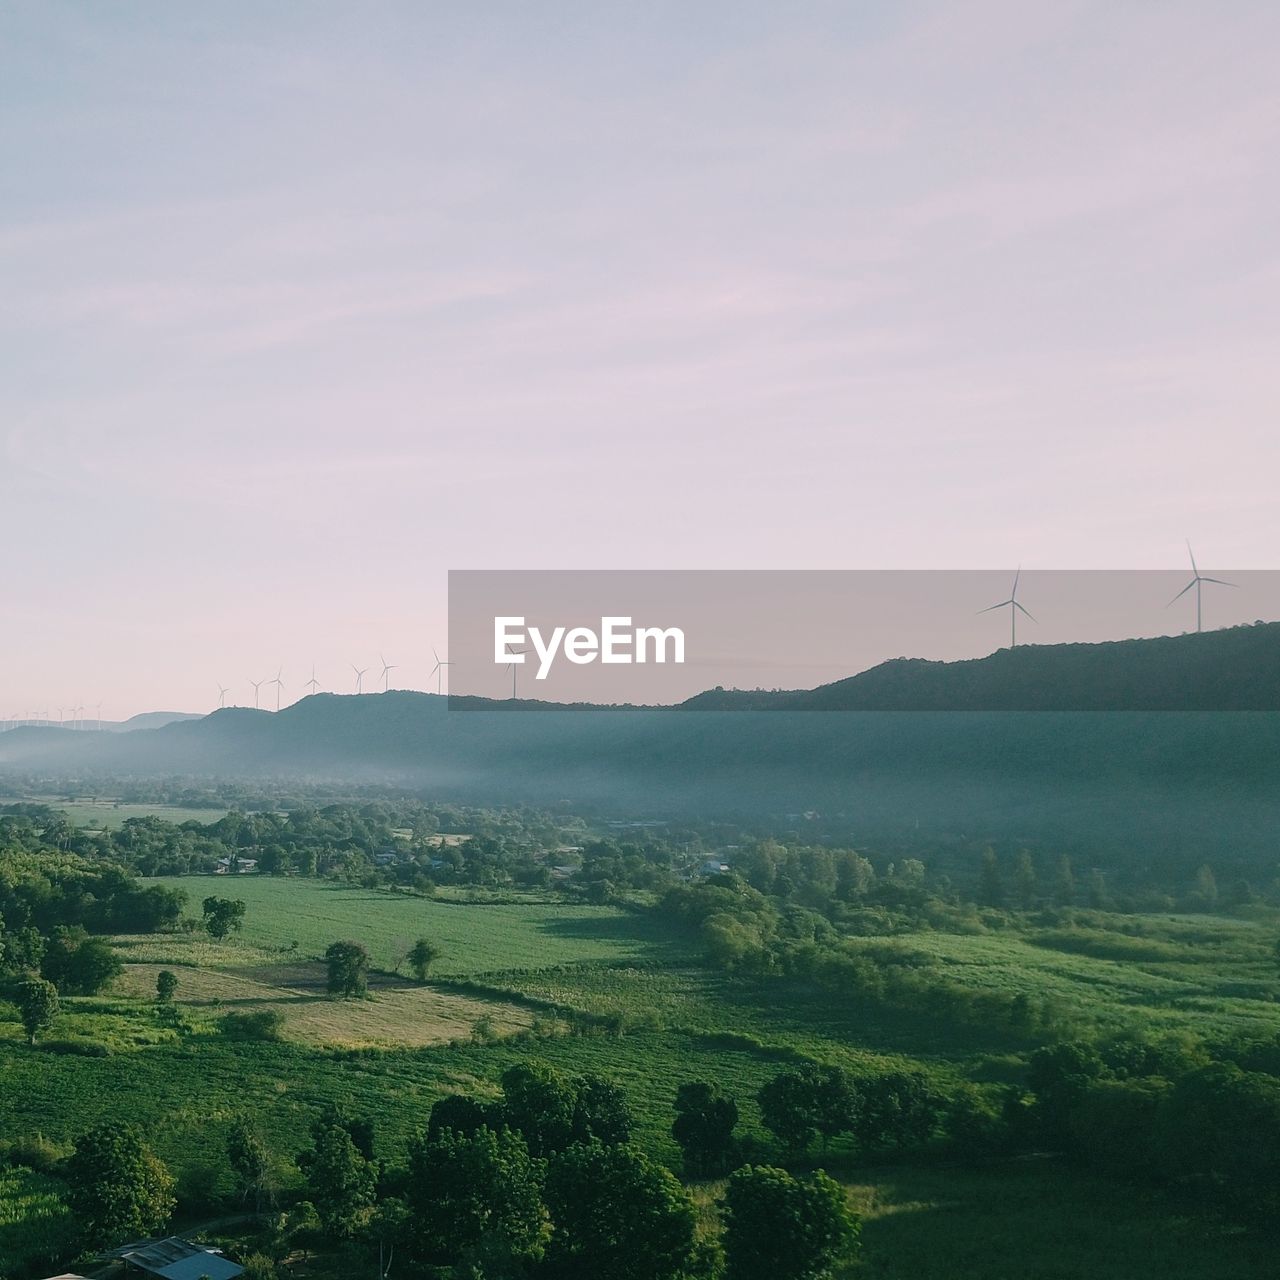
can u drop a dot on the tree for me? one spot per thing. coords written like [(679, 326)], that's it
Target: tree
[(991, 886), (797, 1105), (348, 969), (704, 1123), (1221, 1126), (539, 1103), (1024, 881), (898, 1109), (465, 1188), (24, 950), (93, 967), (251, 1162), (1059, 1076), (788, 1111), (341, 1181), (222, 915), (462, 1115), (78, 964), (422, 955), (37, 1006), (166, 986), (1064, 886), (616, 1213), (118, 1188), (600, 1111), (1204, 893), (778, 1227)]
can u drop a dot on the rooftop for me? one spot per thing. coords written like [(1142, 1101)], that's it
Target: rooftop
[(177, 1259)]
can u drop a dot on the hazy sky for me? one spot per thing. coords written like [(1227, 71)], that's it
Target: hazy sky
[(303, 305)]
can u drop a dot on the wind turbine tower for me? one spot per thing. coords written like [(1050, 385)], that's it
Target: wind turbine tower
[(514, 668), (1197, 578), (1014, 609), (387, 669), (438, 669)]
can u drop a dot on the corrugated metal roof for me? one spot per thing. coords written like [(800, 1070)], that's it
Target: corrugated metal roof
[(213, 1265), (178, 1259)]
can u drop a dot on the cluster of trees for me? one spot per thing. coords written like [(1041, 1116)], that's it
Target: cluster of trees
[(1169, 1111), (540, 1181), (51, 905), (745, 931), (341, 840), (891, 1109), (40, 890), (1172, 1111)]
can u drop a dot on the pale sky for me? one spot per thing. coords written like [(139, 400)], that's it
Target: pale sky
[(304, 305)]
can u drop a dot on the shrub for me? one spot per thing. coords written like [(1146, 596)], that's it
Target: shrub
[(35, 1151), (262, 1024)]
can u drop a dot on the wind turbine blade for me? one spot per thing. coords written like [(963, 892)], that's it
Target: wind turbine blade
[(1222, 582), (1183, 592), (1020, 609), (1192, 554), (1014, 593), (1004, 604)]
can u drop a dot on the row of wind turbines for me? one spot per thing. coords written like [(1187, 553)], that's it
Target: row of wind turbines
[(72, 717), (1198, 579), (313, 685)]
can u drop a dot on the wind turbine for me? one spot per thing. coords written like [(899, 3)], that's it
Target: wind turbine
[(359, 677), (99, 711), (438, 669), (222, 696), (1196, 579), (279, 684), (257, 684), (387, 669), (513, 667), (1014, 609), (313, 684)]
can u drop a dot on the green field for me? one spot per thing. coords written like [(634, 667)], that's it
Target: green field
[(1034, 1220), (1208, 975), (305, 916), (112, 813), (610, 990), (34, 1222)]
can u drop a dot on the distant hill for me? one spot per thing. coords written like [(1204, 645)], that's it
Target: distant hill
[(150, 720), (1233, 670), (1160, 785)]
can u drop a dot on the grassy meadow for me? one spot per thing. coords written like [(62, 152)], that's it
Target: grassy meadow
[(612, 991), (99, 814), (34, 1221), (302, 917)]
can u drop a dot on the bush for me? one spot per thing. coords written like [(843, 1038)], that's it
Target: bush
[(76, 1048), (35, 1151), (263, 1024)]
